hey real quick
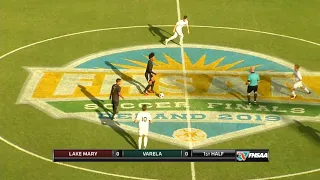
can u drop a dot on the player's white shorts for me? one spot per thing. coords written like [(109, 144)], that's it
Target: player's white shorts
[(297, 85), (143, 131)]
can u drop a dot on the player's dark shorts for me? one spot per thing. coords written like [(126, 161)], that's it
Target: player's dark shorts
[(148, 76), (115, 105), (252, 88)]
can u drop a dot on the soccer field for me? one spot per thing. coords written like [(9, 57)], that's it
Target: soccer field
[(48, 48)]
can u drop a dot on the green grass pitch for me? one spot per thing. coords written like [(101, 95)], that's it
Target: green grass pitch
[(24, 22)]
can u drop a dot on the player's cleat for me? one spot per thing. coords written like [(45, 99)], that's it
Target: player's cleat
[(293, 97), (249, 103), (309, 92), (150, 91), (254, 102), (166, 42)]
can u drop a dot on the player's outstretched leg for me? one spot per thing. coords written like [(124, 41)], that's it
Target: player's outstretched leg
[(145, 142), (175, 35), (306, 90), (140, 142)]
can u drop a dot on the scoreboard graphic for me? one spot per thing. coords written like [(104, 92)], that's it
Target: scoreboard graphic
[(228, 155)]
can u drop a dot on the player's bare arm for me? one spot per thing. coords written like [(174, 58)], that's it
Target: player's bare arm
[(174, 29), (188, 29), (121, 95), (110, 93)]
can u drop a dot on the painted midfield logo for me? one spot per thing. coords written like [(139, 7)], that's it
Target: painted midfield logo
[(215, 87)]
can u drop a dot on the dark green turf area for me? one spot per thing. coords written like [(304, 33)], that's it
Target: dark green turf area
[(25, 22)]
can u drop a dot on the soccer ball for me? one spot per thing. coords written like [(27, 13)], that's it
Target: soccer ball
[(161, 95)]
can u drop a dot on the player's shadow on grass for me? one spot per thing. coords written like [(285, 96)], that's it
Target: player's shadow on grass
[(125, 77), (222, 85), (115, 126), (308, 130), (277, 87), (94, 99), (159, 32)]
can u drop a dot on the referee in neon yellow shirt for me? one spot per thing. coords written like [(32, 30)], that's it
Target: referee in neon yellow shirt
[(253, 80)]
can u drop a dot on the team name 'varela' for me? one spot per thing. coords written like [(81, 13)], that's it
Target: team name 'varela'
[(152, 154)]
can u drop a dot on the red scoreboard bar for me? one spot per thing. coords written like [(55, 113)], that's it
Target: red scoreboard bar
[(218, 155)]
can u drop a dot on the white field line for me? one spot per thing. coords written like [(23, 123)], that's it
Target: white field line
[(68, 165), (193, 173)]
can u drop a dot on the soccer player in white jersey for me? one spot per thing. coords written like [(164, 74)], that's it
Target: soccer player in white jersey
[(298, 81), (144, 119), (178, 30)]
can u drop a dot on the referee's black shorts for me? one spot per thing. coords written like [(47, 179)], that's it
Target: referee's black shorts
[(148, 76), (252, 88)]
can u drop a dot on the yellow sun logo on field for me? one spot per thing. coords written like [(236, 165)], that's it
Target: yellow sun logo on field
[(199, 65)]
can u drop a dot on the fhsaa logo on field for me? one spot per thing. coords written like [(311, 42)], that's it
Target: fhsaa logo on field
[(215, 87)]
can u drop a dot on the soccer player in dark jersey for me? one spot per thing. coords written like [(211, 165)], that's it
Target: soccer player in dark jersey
[(149, 74), (114, 96)]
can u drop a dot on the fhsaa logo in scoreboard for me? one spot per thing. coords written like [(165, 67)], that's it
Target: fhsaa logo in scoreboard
[(242, 155), (252, 156), (215, 85)]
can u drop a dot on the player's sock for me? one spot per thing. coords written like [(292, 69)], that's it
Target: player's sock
[(152, 86), (255, 97), (145, 141), (306, 89), (145, 90), (181, 41), (140, 142)]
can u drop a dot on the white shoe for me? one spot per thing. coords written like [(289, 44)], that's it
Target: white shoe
[(293, 97), (166, 42), (144, 147)]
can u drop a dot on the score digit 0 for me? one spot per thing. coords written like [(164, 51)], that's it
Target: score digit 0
[(118, 154), (187, 153)]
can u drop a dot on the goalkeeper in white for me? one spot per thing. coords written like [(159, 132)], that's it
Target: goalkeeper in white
[(178, 30), (144, 119)]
